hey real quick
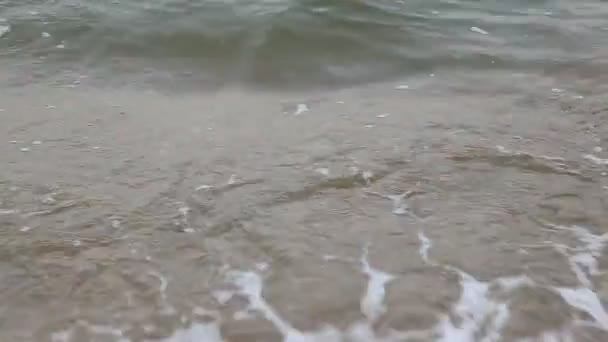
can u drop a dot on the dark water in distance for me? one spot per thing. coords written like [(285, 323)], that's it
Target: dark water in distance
[(306, 42)]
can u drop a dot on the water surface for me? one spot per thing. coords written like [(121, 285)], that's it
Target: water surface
[(303, 171)]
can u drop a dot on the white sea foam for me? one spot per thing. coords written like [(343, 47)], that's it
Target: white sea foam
[(223, 296), (301, 109), (595, 160), (4, 29), (479, 315), (167, 308), (474, 308), (425, 245), (367, 176), (97, 330), (250, 286), (400, 207), (583, 261), (62, 336), (586, 300), (197, 332), (8, 211), (322, 170), (478, 30), (372, 304)]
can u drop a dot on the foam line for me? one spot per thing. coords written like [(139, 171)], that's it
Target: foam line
[(399, 205), (587, 301), (372, 304), (198, 332), (425, 245), (595, 160), (250, 285)]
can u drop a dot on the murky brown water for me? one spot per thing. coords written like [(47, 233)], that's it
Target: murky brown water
[(460, 209)]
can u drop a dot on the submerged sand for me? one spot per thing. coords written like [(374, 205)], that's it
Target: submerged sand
[(458, 208)]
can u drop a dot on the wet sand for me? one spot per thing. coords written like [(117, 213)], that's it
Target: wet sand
[(458, 208)]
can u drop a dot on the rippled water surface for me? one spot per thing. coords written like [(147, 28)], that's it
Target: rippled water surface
[(303, 171), (299, 42)]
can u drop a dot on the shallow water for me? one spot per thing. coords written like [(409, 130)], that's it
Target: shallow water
[(379, 214), (434, 204)]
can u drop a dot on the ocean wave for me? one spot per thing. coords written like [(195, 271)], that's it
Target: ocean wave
[(295, 40)]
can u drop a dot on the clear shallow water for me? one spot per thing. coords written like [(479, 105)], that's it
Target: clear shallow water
[(298, 42), (463, 208)]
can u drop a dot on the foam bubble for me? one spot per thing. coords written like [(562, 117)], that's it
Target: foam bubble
[(399, 205), (478, 30), (322, 170), (425, 245), (184, 211), (301, 109), (4, 29), (367, 176), (232, 180), (223, 296)]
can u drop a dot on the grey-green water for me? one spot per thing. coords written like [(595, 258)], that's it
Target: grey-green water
[(296, 42)]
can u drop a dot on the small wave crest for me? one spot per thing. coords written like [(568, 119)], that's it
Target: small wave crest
[(283, 41)]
